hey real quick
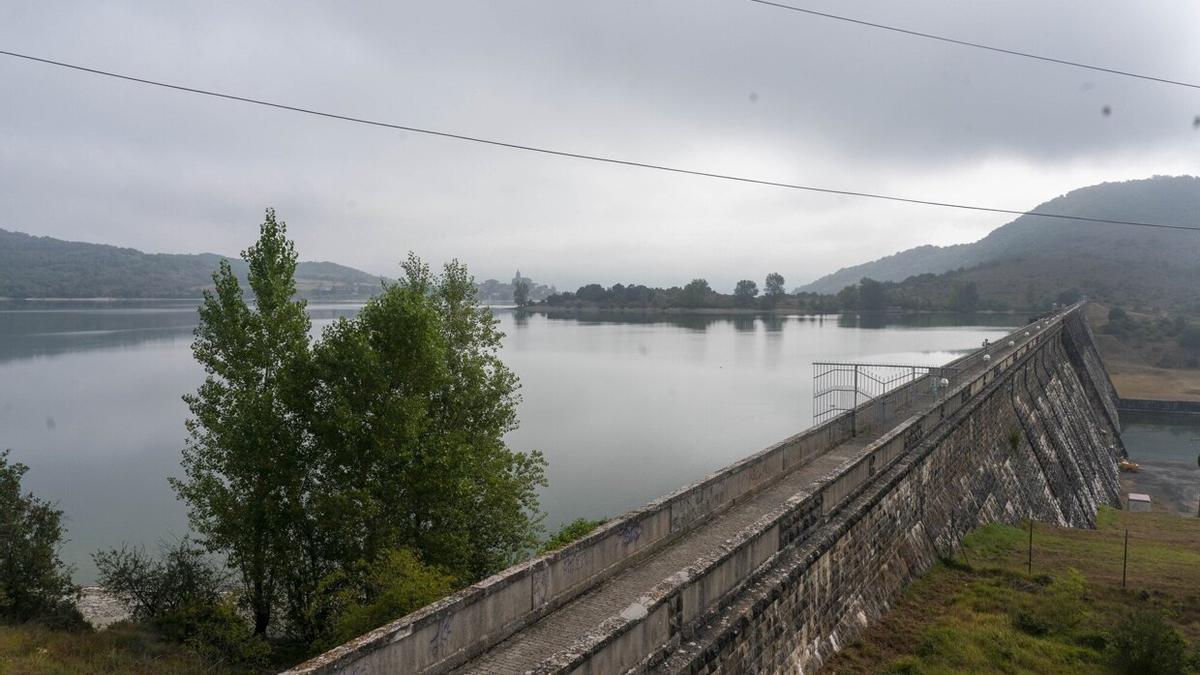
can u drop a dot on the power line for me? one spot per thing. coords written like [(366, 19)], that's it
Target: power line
[(977, 45), (583, 156)]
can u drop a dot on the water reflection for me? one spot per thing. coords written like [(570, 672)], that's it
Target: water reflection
[(30, 329), (776, 322), (773, 322), (695, 322), (626, 407)]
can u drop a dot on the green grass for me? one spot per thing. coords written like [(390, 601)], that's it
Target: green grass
[(123, 648), (983, 613)]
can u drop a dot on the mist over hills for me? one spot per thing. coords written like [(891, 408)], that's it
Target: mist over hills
[(44, 267), (1022, 264), (1034, 257)]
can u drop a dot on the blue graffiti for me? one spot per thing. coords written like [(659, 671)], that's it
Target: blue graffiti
[(630, 533)]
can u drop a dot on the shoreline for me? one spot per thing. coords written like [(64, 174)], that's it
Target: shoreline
[(744, 311)]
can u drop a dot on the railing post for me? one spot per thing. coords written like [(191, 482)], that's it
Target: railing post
[(854, 407)]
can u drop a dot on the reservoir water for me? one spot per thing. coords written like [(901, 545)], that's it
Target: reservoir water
[(1167, 447), (624, 408)]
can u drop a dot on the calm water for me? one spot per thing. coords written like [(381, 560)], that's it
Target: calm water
[(1167, 449), (624, 410)]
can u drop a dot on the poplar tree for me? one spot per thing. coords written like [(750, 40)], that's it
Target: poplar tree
[(244, 461)]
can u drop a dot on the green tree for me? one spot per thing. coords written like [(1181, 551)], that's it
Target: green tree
[(774, 289), (34, 582), (847, 298), (245, 465), (744, 292), (871, 295), (695, 294), (521, 293), (411, 409), (965, 297)]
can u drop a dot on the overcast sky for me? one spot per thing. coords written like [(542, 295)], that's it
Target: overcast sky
[(714, 85)]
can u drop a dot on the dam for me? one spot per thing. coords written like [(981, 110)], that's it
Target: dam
[(774, 563)]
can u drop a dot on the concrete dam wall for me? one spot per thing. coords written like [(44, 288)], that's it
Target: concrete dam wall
[(1037, 439), (772, 564)]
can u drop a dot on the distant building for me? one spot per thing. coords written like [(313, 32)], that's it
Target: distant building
[(493, 292)]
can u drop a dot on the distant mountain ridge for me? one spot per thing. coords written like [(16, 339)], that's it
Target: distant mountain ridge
[(1054, 252), (44, 267)]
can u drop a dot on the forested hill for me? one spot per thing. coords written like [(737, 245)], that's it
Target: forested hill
[(1038, 255), (43, 267)]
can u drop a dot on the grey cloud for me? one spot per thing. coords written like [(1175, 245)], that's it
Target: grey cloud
[(720, 85)]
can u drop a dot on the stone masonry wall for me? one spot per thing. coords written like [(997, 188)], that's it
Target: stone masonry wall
[(1041, 439)]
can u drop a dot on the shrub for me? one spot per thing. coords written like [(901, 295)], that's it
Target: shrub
[(1027, 620), (1145, 644), (35, 585), (181, 594), (215, 632), (397, 584), (576, 529), (1060, 609), (151, 587)]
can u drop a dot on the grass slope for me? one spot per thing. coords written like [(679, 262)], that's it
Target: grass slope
[(981, 613), (123, 648)]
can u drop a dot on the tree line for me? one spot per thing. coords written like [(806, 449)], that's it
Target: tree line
[(927, 292), (696, 294)]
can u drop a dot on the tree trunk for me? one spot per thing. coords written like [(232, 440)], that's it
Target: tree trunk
[(262, 608), (262, 617)]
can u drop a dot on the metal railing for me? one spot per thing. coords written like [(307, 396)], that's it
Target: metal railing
[(844, 387)]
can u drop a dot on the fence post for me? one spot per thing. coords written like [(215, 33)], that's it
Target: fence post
[(1030, 563), (1125, 559)]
